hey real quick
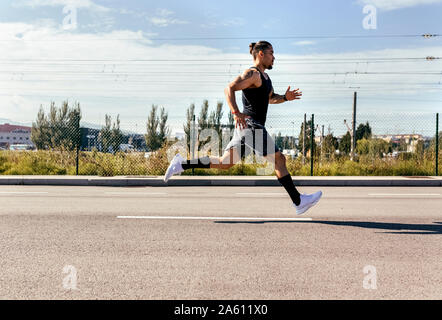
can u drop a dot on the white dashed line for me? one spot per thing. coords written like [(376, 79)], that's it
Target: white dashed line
[(138, 193), (22, 192), (213, 218), (404, 194)]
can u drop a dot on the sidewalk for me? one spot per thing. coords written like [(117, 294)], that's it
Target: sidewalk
[(124, 181)]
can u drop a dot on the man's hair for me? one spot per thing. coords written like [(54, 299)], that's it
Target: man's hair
[(255, 47)]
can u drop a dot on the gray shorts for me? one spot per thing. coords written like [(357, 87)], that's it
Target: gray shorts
[(253, 138)]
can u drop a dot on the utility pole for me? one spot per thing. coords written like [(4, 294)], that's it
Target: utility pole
[(312, 151), (355, 97), (352, 130), (437, 144)]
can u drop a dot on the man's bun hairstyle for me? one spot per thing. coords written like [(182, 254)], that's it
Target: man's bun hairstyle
[(255, 47)]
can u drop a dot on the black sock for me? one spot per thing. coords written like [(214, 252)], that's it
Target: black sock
[(203, 163), (289, 186)]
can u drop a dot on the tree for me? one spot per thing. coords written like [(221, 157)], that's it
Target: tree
[(152, 127), (157, 130), (40, 131), (373, 147), (110, 135), (231, 123), (215, 122), (330, 145), (215, 118), (164, 129), (190, 115), (363, 131), (284, 142), (116, 135), (308, 132), (59, 130), (203, 121), (345, 143), (105, 135)]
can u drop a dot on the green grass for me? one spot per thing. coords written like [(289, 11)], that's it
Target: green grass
[(104, 164)]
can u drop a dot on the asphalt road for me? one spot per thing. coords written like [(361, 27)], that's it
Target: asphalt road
[(219, 243)]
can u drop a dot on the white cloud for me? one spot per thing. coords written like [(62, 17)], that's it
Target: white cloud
[(389, 5), (79, 4), (214, 20), (235, 22), (100, 16), (111, 76), (304, 43), (165, 18)]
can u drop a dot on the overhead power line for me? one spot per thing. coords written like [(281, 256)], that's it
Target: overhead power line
[(192, 82), (214, 63), (211, 73), (355, 36), (219, 60)]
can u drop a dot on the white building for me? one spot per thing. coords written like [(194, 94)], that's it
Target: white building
[(11, 134), (411, 140)]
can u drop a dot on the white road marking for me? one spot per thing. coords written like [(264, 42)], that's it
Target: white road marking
[(138, 193), (212, 218), (403, 194), (257, 194), (23, 192)]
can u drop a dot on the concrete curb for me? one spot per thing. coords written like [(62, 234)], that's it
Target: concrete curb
[(221, 181)]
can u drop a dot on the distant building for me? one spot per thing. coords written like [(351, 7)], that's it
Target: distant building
[(410, 140), (399, 137), (13, 135), (89, 139)]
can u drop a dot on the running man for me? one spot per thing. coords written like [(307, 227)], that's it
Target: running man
[(250, 133)]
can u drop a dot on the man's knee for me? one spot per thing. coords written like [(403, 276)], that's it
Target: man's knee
[(280, 159)]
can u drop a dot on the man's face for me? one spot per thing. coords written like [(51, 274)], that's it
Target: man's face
[(268, 58)]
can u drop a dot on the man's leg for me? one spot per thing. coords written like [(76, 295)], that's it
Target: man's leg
[(230, 157), (301, 202), (284, 176), (225, 162)]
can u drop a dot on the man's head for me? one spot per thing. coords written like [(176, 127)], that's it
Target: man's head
[(262, 53)]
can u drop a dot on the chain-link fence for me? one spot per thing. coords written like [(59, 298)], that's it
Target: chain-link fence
[(374, 144)]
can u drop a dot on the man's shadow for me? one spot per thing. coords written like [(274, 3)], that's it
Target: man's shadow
[(393, 228)]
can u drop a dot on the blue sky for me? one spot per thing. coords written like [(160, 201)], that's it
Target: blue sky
[(109, 60)]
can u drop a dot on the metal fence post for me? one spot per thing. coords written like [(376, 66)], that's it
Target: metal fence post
[(437, 144), (192, 142), (312, 150), (303, 138)]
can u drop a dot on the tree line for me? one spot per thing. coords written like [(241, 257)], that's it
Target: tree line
[(60, 128)]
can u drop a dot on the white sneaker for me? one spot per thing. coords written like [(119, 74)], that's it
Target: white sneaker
[(307, 201), (175, 167)]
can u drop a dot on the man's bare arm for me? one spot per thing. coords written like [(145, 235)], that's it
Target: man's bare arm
[(288, 96), (248, 79), (276, 98)]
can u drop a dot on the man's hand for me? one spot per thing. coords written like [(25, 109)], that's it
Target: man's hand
[(289, 96), (240, 120), (293, 95)]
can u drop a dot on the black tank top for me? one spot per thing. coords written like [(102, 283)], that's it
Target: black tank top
[(256, 100)]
